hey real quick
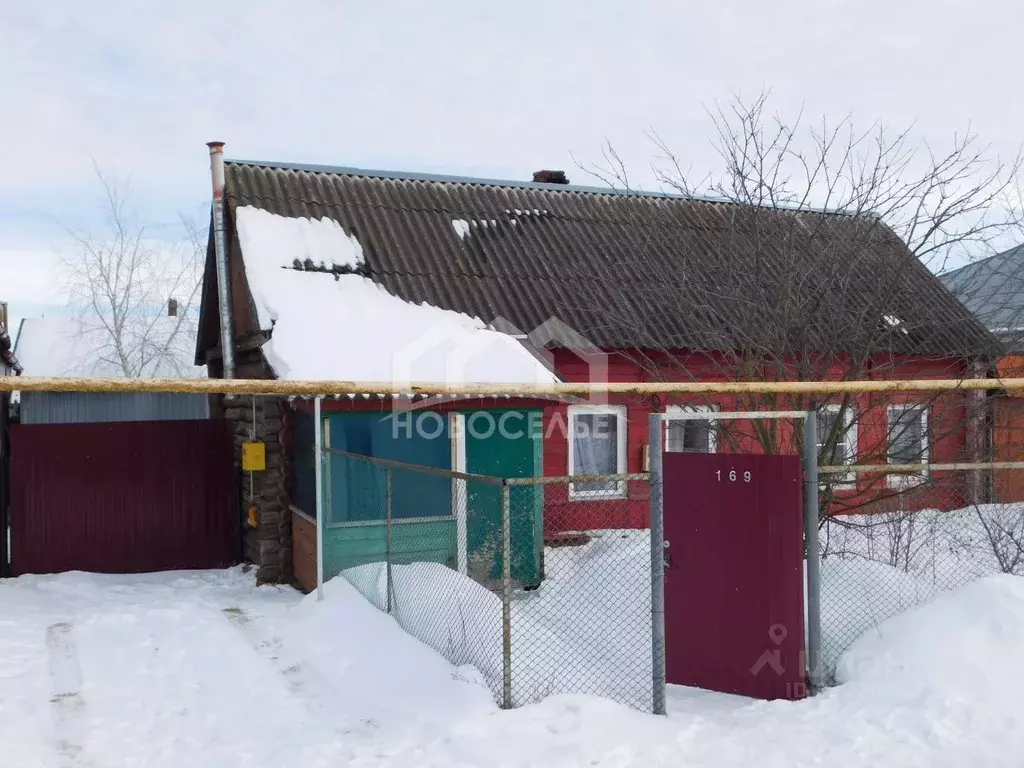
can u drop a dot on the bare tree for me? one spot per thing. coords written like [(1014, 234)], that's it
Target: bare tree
[(135, 295), (863, 311)]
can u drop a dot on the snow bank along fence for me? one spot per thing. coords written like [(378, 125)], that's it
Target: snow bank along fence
[(928, 529), (497, 573)]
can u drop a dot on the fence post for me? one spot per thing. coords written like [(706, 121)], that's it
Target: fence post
[(387, 534), (658, 545), (506, 596), (813, 553), (460, 492), (318, 482)]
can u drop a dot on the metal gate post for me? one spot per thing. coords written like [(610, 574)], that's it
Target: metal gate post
[(506, 596), (387, 534), (812, 551), (318, 482), (658, 545)]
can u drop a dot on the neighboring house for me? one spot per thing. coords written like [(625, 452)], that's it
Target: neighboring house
[(346, 274), (993, 289), (9, 366)]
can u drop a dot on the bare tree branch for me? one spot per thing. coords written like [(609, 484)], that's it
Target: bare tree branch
[(913, 205), (119, 281)]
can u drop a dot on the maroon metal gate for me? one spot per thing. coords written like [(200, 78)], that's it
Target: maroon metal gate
[(734, 612), (124, 497)]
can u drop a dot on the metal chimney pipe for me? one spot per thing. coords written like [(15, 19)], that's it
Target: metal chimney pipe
[(220, 247)]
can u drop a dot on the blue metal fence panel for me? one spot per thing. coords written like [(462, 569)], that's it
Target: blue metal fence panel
[(96, 407)]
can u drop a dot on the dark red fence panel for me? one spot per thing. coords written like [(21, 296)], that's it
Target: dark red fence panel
[(734, 610), (124, 497)]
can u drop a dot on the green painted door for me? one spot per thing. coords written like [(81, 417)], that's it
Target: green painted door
[(511, 450)]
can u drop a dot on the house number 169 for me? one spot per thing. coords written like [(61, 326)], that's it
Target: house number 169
[(732, 477)]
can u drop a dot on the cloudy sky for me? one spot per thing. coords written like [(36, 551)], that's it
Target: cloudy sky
[(453, 86)]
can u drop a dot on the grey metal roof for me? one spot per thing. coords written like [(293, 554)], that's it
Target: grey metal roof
[(94, 407), (636, 270), (993, 289)]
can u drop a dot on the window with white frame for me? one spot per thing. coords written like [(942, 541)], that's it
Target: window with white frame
[(837, 442), (908, 440), (597, 446), (689, 435)]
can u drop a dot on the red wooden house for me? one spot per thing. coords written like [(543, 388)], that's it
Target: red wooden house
[(633, 286)]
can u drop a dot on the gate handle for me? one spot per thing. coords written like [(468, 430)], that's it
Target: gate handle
[(668, 557)]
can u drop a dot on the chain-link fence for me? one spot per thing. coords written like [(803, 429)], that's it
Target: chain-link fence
[(586, 628), (543, 584), (460, 561), (921, 537)]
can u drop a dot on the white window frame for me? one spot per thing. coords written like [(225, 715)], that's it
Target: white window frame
[(845, 480), (622, 437), (901, 480), (674, 410)]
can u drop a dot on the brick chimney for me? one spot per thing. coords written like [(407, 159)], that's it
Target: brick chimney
[(550, 177)]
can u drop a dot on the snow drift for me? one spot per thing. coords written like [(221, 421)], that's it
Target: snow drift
[(586, 630), (962, 639), (878, 566)]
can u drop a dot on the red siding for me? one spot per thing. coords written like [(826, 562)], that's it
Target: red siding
[(947, 427), (871, 493), (124, 497)]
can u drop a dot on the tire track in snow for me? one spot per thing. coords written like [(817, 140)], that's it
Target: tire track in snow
[(67, 705), (306, 686)]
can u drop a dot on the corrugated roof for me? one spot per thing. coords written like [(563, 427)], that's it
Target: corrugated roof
[(628, 270), (993, 289), (97, 407)]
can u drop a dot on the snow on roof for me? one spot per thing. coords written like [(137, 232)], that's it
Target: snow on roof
[(345, 326), (461, 227), (895, 322), (68, 346), (54, 346)]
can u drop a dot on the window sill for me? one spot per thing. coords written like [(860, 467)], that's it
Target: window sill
[(845, 485), (905, 482), (394, 521), (614, 495)]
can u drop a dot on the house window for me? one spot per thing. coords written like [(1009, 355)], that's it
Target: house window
[(908, 440), (689, 435), (597, 446), (837, 443)]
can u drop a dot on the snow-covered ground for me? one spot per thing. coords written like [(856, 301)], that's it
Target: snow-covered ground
[(205, 669), (878, 566), (587, 629)]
